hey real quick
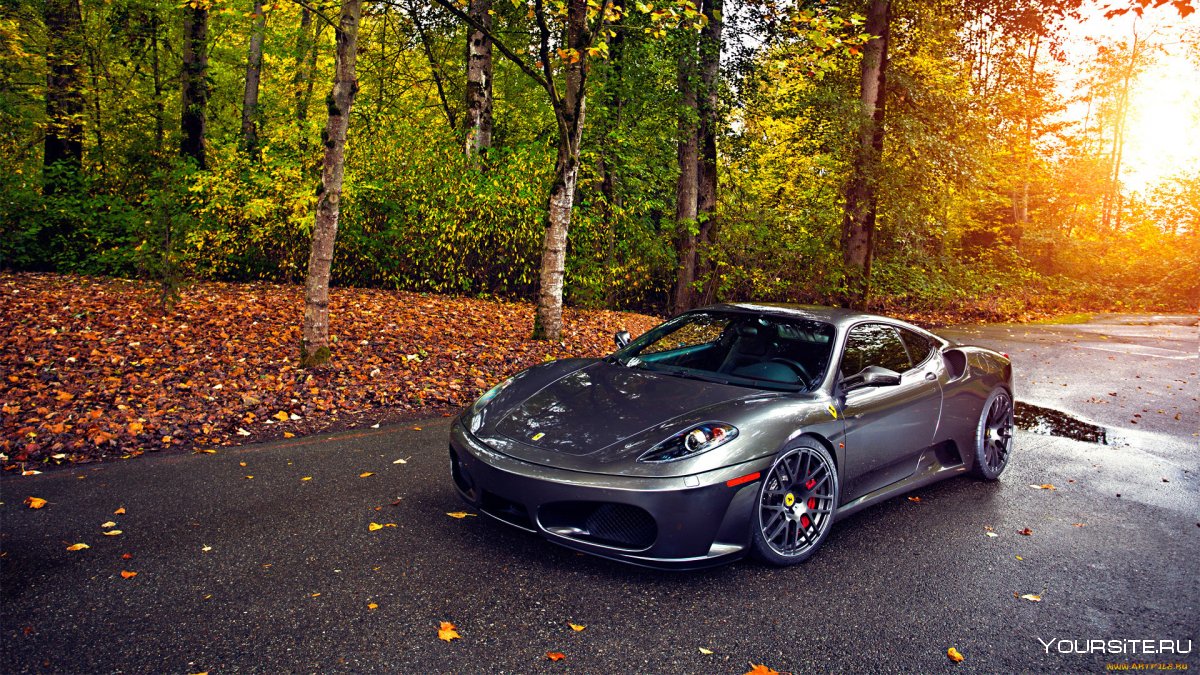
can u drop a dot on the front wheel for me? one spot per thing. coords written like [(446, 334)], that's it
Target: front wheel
[(994, 436), (796, 505)]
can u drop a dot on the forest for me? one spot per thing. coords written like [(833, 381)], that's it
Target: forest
[(964, 157)]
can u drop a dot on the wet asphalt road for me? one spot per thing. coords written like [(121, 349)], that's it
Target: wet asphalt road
[(292, 567)]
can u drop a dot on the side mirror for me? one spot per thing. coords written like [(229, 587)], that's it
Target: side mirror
[(622, 338), (872, 376)]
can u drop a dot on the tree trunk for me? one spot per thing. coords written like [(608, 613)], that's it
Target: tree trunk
[(435, 70), (314, 348), (64, 89), (479, 123), (569, 114), (194, 98), (858, 224), (250, 112), (688, 186), (710, 123)]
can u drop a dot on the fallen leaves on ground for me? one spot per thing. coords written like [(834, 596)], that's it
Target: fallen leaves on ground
[(1026, 532), (576, 627), (78, 547), (366, 474), (1043, 486), (447, 632), (954, 655), (556, 656), (126, 556), (1029, 596), (705, 651), (94, 369), (112, 533), (371, 605), (1079, 524), (759, 669), (119, 512), (915, 500), (108, 524), (126, 574), (459, 514), (35, 502), (374, 526)]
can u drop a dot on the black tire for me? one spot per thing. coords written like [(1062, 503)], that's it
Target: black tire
[(994, 436), (796, 505)]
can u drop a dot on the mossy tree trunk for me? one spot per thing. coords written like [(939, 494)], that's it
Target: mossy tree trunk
[(314, 348)]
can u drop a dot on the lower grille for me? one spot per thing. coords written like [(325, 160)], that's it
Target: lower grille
[(616, 525)]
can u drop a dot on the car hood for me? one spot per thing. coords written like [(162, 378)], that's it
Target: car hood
[(604, 413)]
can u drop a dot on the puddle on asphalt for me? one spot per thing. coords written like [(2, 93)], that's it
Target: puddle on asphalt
[(1049, 422)]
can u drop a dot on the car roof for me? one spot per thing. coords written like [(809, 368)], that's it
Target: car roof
[(838, 316)]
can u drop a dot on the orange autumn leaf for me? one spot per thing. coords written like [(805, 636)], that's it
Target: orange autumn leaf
[(78, 547), (371, 605), (556, 656), (576, 627), (459, 514), (447, 632), (126, 574), (759, 669), (119, 512), (126, 556), (281, 416), (1043, 486), (35, 502), (915, 500), (366, 474), (954, 655), (1026, 532)]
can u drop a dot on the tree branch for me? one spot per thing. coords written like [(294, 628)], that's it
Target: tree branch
[(508, 53)]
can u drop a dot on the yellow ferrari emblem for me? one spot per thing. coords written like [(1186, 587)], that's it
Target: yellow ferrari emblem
[(833, 411), (789, 499), (538, 436)]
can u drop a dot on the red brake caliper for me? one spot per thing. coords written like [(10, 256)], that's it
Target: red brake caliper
[(812, 503)]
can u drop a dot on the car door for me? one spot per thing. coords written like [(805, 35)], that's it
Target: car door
[(887, 427)]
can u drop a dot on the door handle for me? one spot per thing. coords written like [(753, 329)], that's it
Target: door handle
[(931, 376)]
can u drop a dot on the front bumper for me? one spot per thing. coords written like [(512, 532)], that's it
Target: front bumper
[(685, 522)]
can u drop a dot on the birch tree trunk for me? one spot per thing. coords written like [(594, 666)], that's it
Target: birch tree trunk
[(479, 122), (314, 347), (569, 111), (64, 88), (194, 96), (858, 224), (250, 116)]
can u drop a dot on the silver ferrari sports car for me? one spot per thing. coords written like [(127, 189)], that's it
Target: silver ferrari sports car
[(732, 429)]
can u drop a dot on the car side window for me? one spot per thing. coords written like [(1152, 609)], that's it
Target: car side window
[(874, 344), (919, 346)]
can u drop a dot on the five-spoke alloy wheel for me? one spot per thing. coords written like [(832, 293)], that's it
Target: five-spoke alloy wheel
[(796, 504)]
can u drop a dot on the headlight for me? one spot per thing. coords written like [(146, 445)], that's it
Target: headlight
[(488, 396), (694, 441)]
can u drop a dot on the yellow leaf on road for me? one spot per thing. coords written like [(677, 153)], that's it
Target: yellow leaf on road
[(576, 627), (447, 632), (288, 434), (281, 416), (371, 605), (307, 478), (704, 651), (374, 526), (954, 655), (35, 502), (77, 547), (1043, 486), (1031, 597), (366, 474), (108, 524), (459, 514), (112, 533)]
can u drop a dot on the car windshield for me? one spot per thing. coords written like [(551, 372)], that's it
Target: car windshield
[(767, 352)]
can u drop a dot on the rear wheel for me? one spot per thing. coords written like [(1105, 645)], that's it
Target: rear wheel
[(994, 436), (796, 504)]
